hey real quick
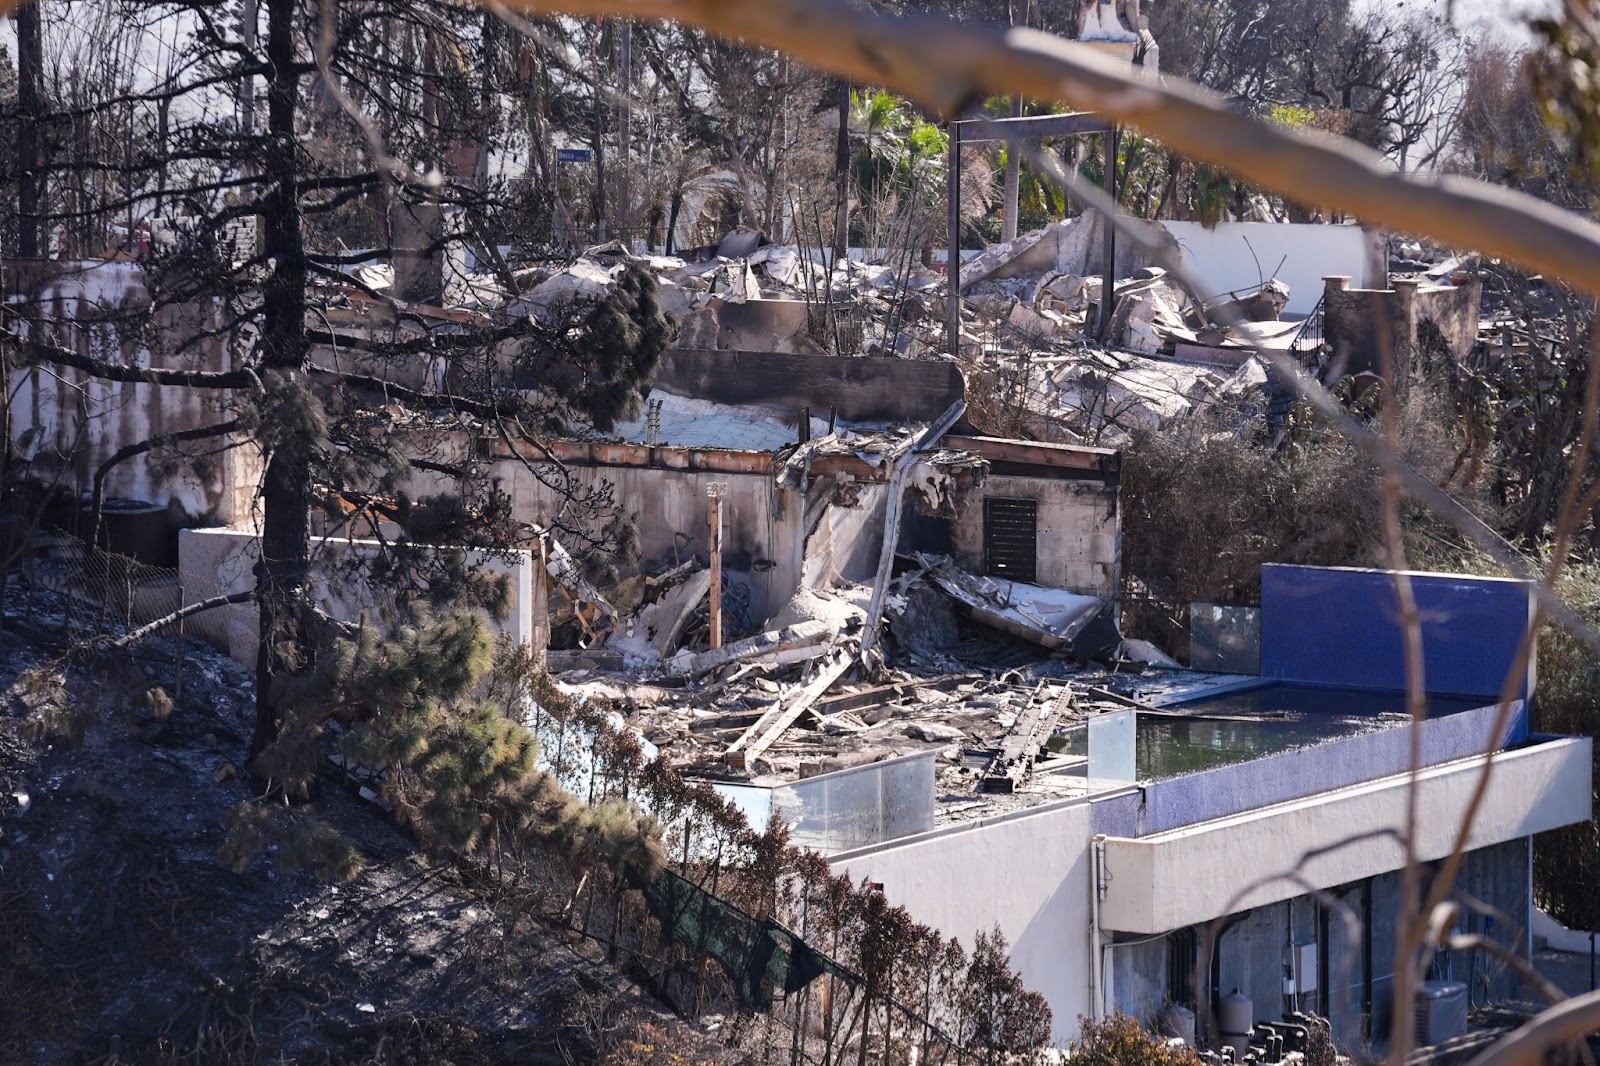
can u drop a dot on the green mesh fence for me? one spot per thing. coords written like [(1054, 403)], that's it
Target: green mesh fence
[(758, 954)]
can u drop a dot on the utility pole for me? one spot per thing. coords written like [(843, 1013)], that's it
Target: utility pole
[(30, 182), (952, 266), (715, 490), (1008, 228), (598, 142)]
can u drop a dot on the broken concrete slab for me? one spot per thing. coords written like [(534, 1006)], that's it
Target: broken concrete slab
[(652, 634), (935, 732), (1051, 618)]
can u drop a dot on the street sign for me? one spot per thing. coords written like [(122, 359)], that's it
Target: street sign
[(574, 155)]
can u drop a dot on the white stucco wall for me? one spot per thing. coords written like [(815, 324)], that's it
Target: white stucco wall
[(761, 523), (1079, 546), (85, 420), (1309, 252), (1027, 874), (1185, 876)]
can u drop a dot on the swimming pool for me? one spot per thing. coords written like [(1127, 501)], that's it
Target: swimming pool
[(1249, 723)]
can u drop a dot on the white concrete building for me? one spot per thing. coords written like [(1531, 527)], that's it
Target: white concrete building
[(1287, 860)]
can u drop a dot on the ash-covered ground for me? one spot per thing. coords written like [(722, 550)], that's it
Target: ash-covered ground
[(123, 939)]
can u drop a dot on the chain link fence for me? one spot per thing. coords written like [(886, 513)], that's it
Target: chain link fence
[(92, 597)]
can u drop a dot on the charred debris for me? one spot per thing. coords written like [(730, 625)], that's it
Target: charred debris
[(844, 539)]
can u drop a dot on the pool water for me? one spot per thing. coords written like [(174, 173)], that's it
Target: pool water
[(1248, 724)]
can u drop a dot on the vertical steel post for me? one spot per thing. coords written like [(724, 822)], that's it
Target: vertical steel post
[(1108, 282), (715, 490)]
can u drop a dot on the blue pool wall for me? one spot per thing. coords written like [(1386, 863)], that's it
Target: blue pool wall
[(1341, 627), (1291, 775)]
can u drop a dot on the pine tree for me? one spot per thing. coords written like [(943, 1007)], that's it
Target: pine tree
[(456, 762)]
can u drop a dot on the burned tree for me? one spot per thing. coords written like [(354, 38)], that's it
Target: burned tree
[(370, 130)]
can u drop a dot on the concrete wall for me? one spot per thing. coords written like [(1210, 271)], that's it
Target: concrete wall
[(1453, 308), (1353, 322), (865, 389), (1027, 874), (1185, 876), (1079, 531), (86, 420), (1338, 626), (1241, 255), (216, 562), (762, 536)]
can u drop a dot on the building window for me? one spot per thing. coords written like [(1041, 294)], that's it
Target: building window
[(1011, 538)]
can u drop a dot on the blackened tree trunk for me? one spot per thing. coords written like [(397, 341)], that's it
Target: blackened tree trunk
[(29, 177), (286, 488)]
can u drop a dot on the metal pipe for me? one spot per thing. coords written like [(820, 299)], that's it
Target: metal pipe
[(1097, 890), (715, 491)]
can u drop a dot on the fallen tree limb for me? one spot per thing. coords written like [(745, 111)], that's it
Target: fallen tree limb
[(177, 616)]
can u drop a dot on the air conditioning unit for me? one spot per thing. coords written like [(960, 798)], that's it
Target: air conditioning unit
[(1441, 1012)]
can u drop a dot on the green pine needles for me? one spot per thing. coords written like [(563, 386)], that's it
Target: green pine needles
[(416, 710)]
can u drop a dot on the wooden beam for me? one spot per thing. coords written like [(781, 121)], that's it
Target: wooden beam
[(1013, 764), (878, 696), (772, 725), (891, 519), (1065, 456)]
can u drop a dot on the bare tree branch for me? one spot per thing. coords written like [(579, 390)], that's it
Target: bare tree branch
[(34, 352), (1560, 1025), (948, 66)]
